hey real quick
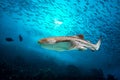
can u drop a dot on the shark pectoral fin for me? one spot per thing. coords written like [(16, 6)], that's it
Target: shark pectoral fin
[(82, 48), (73, 46)]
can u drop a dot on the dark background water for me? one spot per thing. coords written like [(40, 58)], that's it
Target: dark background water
[(24, 22)]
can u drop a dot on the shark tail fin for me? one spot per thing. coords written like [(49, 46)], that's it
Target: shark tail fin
[(97, 45)]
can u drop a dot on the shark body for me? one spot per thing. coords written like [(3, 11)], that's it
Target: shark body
[(64, 43)]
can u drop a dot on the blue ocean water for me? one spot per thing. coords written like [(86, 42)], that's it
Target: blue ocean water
[(37, 19)]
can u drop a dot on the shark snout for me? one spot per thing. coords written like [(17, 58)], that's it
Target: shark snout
[(42, 41)]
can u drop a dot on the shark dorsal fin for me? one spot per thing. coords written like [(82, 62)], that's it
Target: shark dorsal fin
[(80, 36)]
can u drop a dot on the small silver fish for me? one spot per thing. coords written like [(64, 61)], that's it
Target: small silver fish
[(64, 43)]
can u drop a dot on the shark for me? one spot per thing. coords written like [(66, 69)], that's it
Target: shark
[(65, 43)]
